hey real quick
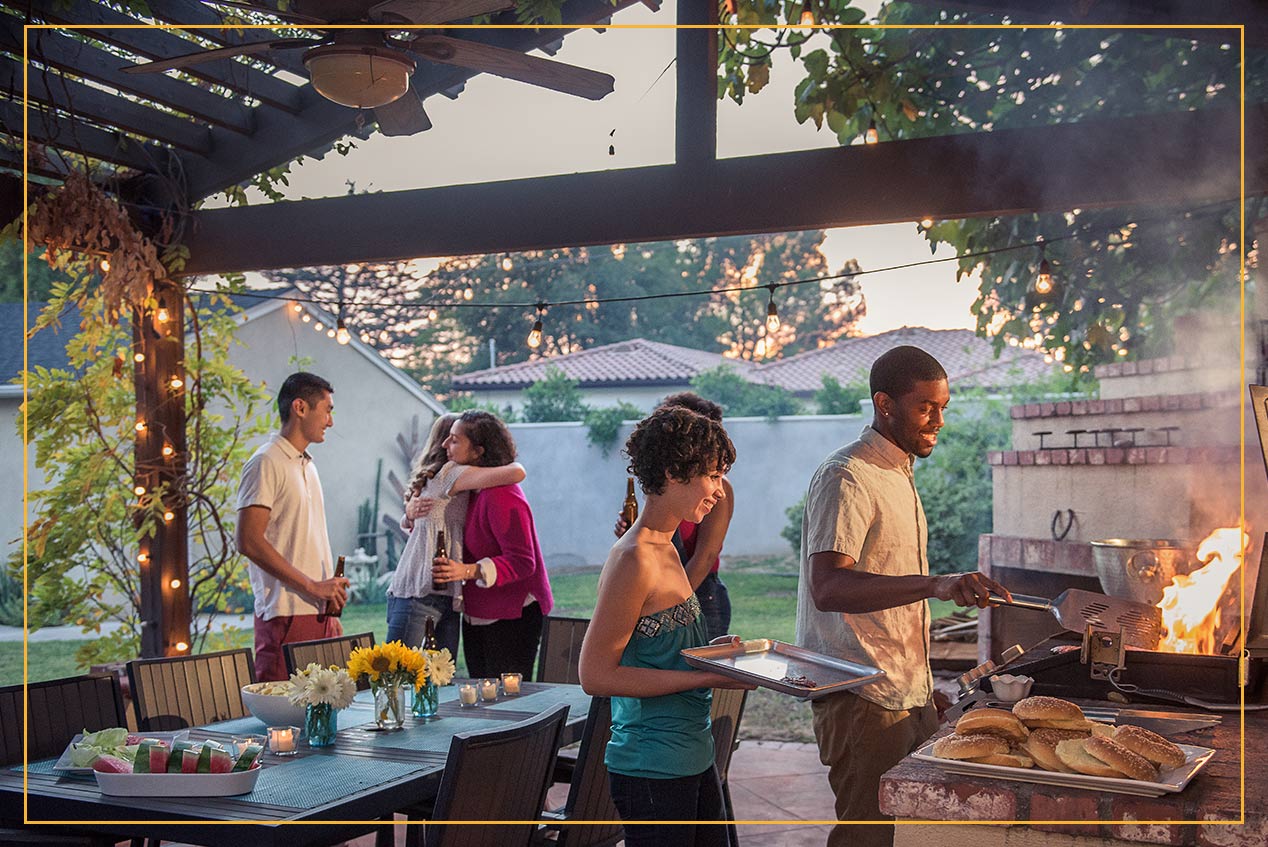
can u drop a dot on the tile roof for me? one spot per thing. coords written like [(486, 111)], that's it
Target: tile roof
[(633, 362), (969, 361)]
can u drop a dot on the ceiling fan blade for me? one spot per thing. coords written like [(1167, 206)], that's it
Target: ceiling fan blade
[(265, 10), (403, 116), (219, 53), (437, 11), (498, 61)]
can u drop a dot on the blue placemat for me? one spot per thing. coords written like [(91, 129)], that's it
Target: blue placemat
[(46, 766), (317, 780), (434, 736), (250, 725), (578, 701)]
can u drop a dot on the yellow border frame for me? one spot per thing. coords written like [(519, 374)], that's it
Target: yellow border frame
[(1242, 216)]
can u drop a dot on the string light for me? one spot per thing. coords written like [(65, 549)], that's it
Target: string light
[(175, 583), (535, 335), (807, 14), (330, 333), (319, 326), (772, 312), (176, 382), (926, 223), (507, 264), (181, 646), (168, 516), (341, 334), (139, 490), (1043, 280), (298, 308), (138, 357), (305, 317), (432, 315), (142, 558), (168, 451), (467, 293), (162, 315), (105, 266), (140, 426), (872, 136)]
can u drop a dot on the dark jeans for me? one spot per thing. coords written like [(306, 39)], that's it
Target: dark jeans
[(407, 620), (508, 645), (715, 605), (684, 798)]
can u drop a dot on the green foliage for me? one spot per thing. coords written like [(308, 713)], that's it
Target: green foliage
[(84, 539), (40, 277), (1124, 275), (837, 399), (10, 599), (740, 398), (462, 400), (555, 398), (603, 425), (792, 530)]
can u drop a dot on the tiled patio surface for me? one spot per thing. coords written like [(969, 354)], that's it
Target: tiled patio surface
[(770, 781)]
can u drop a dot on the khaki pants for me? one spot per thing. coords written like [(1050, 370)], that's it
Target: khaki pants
[(859, 741)]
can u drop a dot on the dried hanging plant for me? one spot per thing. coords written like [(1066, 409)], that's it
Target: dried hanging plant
[(79, 216)]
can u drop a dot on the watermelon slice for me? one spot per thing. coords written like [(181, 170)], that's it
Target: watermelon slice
[(204, 757), (250, 756), (151, 757), (111, 764), (221, 761), (189, 760), (176, 760)]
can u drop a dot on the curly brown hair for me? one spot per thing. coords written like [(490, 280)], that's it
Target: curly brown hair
[(676, 443), (488, 431), (693, 401)]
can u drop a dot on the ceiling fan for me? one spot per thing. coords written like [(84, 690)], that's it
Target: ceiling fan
[(370, 69)]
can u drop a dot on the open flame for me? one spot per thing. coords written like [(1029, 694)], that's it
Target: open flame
[(1191, 603)]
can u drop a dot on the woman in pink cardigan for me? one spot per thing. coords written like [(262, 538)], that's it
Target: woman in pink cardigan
[(506, 591)]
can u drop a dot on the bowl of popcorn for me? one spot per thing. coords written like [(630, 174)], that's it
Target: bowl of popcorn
[(269, 702)]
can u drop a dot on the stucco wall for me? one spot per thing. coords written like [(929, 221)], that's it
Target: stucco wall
[(576, 492), (599, 398), (11, 475)]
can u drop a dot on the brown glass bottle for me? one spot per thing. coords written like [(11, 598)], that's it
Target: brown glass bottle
[(629, 509), (429, 636), (441, 553), (330, 610)]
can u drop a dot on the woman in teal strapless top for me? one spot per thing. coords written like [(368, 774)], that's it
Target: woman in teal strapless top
[(660, 758)]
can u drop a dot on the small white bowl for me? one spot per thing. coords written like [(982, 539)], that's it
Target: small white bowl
[(1008, 688), (272, 709)]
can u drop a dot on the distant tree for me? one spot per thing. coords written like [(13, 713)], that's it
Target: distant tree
[(40, 276), (740, 398), (837, 399), (555, 398)]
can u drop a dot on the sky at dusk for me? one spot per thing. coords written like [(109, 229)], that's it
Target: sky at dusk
[(499, 129)]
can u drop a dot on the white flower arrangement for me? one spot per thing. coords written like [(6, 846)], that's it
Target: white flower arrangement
[(440, 666), (315, 685)]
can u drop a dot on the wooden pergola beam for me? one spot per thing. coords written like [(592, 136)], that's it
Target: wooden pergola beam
[(1180, 158)]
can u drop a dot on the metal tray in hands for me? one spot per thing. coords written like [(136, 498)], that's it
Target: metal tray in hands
[(771, 664)]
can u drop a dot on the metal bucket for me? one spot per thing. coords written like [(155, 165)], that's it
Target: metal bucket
[(1139, 568)]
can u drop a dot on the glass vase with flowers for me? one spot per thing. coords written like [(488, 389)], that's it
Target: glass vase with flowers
[(323, 692), (438, 671), (392, 669)]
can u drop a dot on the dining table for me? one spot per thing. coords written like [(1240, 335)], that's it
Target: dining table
[(318, 796)]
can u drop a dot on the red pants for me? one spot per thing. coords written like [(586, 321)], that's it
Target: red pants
[(270, 635)]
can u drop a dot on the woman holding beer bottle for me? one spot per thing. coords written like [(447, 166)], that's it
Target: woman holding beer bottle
[(436, 508)]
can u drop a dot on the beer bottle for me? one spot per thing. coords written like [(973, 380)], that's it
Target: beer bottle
[(629, 509), (441, 553), (430, 644), (330, 610)]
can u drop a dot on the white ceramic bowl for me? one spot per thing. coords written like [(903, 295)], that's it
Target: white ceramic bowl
[(1009, 688), (272, 709)]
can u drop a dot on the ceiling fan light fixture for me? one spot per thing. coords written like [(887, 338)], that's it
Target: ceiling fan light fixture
[(363, 77)]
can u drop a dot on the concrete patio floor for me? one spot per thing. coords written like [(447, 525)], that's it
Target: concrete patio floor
[(770, 781)]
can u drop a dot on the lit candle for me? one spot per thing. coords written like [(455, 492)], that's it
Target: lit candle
[(467, 694), (282, 740), (489, 689), (511, 683)]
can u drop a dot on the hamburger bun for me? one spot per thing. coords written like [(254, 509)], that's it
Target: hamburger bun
[(1033, 709), (1151, 746), (1084, 726), (969, 746), (1042, 747), (992, 722), (1008, 760), (1121, 759), (1074, 756)]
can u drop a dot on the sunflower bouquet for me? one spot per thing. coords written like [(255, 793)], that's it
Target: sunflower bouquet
[(390, 668)]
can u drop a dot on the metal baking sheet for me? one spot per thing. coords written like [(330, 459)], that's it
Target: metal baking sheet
[(765, 662)]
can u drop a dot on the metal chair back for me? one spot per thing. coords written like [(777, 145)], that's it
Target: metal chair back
[(560, 652), (589, 796), (327, 651), (494, 776), (183, 691), (725, 714), (58, 710)]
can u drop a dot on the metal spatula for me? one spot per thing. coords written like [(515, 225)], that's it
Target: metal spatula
[(1074, 609)]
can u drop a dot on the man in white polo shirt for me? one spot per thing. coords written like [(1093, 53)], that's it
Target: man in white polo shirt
[(282, 529)]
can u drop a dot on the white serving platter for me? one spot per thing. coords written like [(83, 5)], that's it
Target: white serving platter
[(177, 784), (1169, 782), (63, 761)]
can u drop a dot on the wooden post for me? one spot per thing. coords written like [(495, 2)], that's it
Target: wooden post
[(696, 106), (160, 452)]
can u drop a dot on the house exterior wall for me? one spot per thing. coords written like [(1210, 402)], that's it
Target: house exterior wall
[(575, 491), (11, 474), (371, 408), (645, 398)]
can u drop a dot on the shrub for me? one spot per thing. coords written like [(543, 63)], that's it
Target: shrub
[(604, 424), (555, 398), (837, 399), (740, 398)]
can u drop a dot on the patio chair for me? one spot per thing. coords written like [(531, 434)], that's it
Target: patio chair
[(59, 709), (500, 775), (327, 651), (728, 708), (589, 798), (560, 652), (183, 691)]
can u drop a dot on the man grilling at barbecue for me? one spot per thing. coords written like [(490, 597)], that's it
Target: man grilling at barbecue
[(865, 584)]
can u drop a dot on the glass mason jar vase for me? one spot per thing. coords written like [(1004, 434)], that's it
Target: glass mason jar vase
[(389, 705), (427, 700), (320, 725)]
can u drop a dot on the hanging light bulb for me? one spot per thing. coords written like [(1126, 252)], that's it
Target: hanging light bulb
[(305, 317), (168, 451), (467, 293), (872, 136), (319, 326), (181, 646), (175, 583), (142, 558), (432, 314), (507, 264), (140, 426), (139, 490), (169, 516), (138, 357), (162, 315), (1043, 280), (807, 14), (535, 335), (330, 333), (341, 334), (105, 266), (926, 222), (176, 382), (297, 308), (772, 313)]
